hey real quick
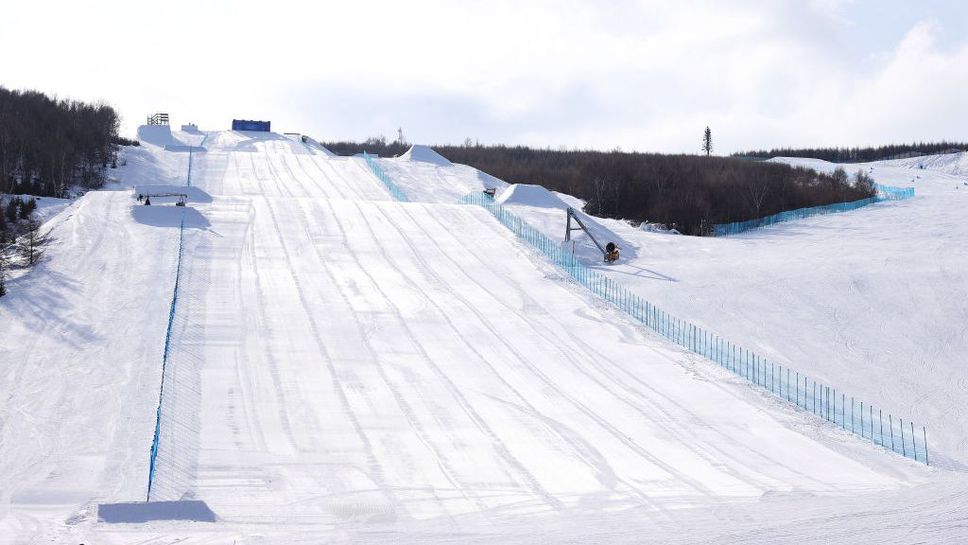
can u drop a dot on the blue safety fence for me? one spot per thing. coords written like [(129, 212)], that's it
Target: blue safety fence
[(395, 191), (891, 193), (191, 151), (884, 193), (838, 408), (153, 457)]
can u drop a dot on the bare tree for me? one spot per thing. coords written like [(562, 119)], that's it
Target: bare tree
[(756, 192)]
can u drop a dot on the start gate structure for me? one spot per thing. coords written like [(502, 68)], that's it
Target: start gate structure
[(159, 118)]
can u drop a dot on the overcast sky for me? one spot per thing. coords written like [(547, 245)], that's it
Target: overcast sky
[(640, 75)]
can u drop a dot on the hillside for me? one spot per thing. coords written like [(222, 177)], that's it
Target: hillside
[(343, 365)]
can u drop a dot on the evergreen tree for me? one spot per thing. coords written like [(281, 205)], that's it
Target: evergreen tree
[(707, 141), (32, 245), (3, 274), (27, 208), (12, 209)]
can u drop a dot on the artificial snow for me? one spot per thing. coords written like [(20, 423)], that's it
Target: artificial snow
[(346, 368), (424, 154)]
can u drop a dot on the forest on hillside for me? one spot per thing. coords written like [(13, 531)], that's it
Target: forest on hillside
[(687, 192), (859, 155), (48, 145)]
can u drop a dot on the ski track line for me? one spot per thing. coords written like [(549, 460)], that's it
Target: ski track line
[(303, 187), (592, 415), (576, 444), (712, 456), (315, 162), (700, 452), (376, 473), (581, 450), (431, 365), (248, 251), (554, 341), (406, 409), (271, 360), (466, 406), (558, 343), (317, 189), (430, 273)]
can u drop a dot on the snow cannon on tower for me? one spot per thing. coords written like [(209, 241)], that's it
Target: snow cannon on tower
[(609, 251)]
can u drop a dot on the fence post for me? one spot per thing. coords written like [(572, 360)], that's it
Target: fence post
[(925, 432), (788, 383), (835, 405), (890, 421), (815, 397), (903, 446), (914, 442)]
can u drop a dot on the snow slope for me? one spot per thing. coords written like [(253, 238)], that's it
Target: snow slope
[(871, 302), (954, 164), (425, 176), (79, 346), (346, 368)]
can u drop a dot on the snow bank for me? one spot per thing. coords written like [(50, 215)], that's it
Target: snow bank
[(424, 154), (161, 136), (167, 215), (158, 135), (545, 210), (531, 195), (192, 510)]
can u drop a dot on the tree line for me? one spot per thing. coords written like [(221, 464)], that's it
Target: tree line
[(48, 145), (859, 155), (687, 192), (22, 243)]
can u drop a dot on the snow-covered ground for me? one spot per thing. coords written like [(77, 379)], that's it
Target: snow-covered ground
[(345, 368), (873, 302)]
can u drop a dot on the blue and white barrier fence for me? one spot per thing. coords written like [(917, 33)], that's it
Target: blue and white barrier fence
[(395, 191), (884, 193), (153, 457)]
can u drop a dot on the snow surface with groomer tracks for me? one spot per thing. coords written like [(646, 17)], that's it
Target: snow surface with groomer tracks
[(347, 368)]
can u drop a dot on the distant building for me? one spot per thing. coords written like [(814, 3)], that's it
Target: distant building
[(250, 125)]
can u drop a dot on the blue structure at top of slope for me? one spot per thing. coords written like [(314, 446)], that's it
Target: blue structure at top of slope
[(250, 125)]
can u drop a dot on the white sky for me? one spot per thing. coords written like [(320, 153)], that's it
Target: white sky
[(642, 75)]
